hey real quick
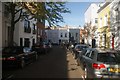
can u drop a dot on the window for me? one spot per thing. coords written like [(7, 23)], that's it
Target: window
[(34, 31), (87, 53), (84, 51), (92, 54), (105, 20), (27, 26), (76, 34), (106, 57), (69, 34), (6, 10), (61, 35), (96, 20), (26, 42), (65, 34), (33, 41), (100, 22), (26, 50), (109, 12), (21, 42), (118, 31)]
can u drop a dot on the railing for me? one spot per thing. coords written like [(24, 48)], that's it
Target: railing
[(27, 30)]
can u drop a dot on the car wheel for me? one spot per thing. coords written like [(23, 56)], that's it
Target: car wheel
[(22, 64)]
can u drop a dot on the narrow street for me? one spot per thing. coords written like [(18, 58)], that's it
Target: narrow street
[(57, 64)]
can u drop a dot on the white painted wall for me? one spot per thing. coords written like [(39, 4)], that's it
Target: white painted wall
[(19, 33), (5, 25), (53, 36), (91, 14), (115, 24), (63, 33)]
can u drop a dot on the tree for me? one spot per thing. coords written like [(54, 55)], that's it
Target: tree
[(49, 11), (87, 27), (42, 11)]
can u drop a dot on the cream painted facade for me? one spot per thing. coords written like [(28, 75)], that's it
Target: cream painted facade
[(104, 25)]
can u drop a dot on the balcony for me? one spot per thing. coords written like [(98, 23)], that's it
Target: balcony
[(34, 31), (27, 30)]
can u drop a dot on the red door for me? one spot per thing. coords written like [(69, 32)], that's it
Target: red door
[(112, 42)]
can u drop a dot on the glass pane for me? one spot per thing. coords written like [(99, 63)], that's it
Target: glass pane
[(106, 57)]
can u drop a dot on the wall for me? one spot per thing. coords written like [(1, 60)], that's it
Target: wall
[(90, 16), (102, 28), (19, 33), (0, 39), (73, 32), (115, 23), (0, 25), (63, 33), (53, 36), (5, 27)]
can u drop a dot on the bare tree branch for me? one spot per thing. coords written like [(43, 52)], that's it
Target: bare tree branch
[(18, 17), (16, 11)]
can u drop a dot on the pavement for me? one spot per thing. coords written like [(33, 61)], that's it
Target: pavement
[(74, 71)]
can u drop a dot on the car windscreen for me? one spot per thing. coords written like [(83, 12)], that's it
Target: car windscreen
[(107, 57), (118, 57), (81, 47), (26, 49)]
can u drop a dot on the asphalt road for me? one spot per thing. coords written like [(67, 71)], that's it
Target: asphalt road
[(59, 63)]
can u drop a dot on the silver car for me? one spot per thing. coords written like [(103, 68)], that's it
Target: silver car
[(98, 63)]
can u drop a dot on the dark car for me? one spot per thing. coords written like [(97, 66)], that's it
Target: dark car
[(40, 48), (17, 56), (48, 46), (99, 63)]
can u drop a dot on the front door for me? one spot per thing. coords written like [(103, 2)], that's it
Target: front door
[(26, 42)]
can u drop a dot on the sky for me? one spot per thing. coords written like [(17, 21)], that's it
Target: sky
[(76, 17), (77, 8)]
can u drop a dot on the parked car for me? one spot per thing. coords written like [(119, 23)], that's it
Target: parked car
[(48, 46), (17, 56), (40, 48), (82, 53), (99, 63), (78, 49)]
